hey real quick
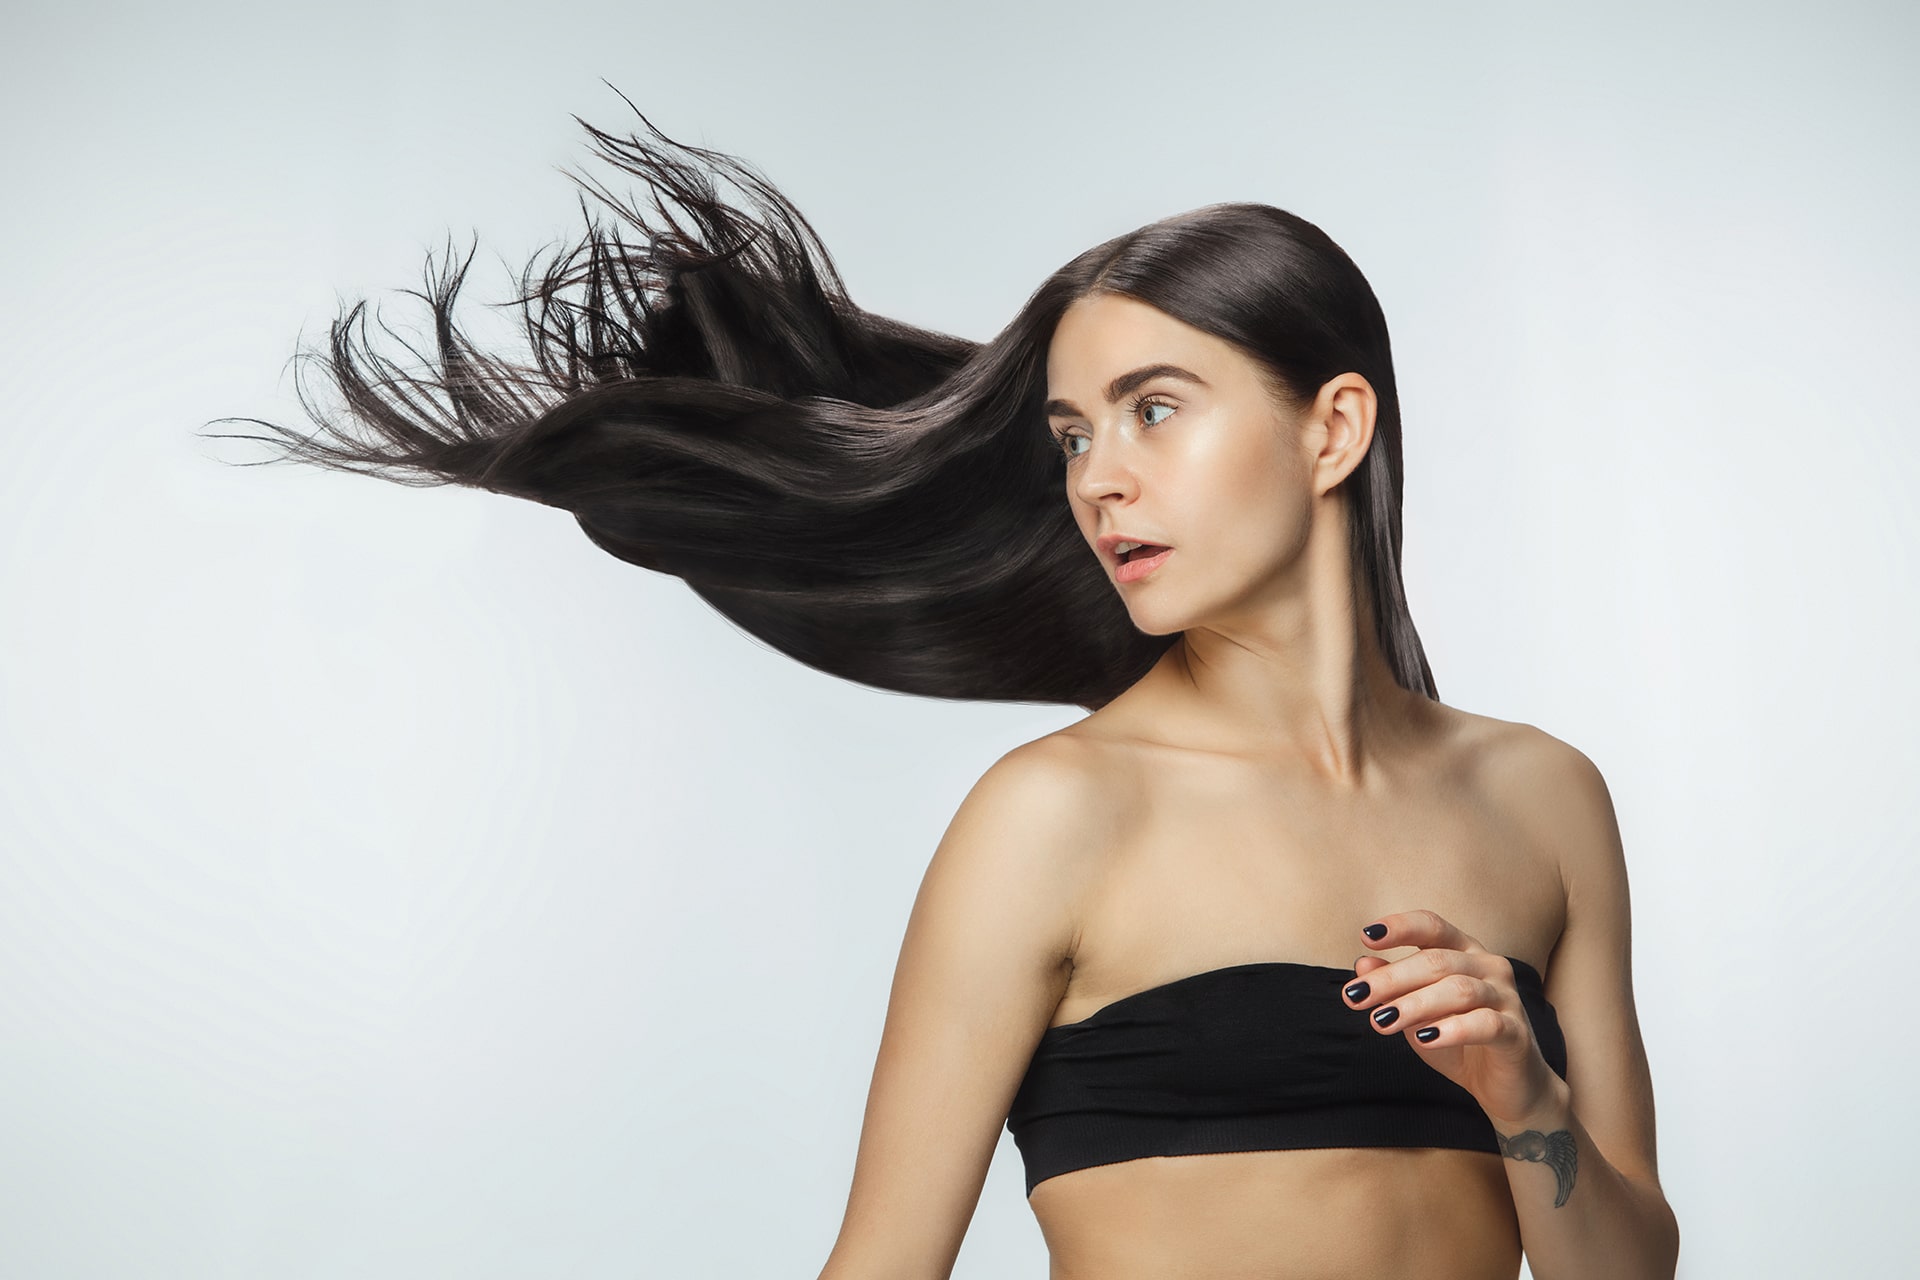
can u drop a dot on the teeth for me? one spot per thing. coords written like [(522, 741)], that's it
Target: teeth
[(1121, 548)]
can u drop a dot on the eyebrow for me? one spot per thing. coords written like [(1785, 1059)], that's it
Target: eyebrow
[(1127, 382)]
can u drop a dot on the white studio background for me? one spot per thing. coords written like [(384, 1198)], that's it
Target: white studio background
[(394, 885)]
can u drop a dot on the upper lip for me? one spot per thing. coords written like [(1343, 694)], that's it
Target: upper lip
[(1108, 541)]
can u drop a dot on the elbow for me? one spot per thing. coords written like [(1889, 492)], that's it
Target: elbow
[(1663, 1234)]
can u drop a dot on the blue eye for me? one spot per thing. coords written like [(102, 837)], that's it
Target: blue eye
[(1155, 404), (1065, 440)]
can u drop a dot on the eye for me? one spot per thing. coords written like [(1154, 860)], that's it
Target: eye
[(1064, 440), (1147, 402)]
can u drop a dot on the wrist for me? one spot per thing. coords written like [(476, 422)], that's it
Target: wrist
[(1552, 1111)]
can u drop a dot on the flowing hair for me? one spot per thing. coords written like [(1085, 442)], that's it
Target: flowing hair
[(881, 502)]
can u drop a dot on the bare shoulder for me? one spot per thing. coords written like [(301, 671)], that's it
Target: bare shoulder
[(1064, 757), (1044, 810), (1547, 786), (1505, 750), (1536, 758)]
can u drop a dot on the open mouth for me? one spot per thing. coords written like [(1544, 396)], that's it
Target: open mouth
[(1140, 562)]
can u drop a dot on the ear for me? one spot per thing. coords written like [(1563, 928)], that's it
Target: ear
[(1343, 414)]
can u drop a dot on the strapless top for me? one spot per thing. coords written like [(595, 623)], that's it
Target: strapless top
[(1253, 1057)]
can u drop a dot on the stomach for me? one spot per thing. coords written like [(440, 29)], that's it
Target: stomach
[(1319, 1214)]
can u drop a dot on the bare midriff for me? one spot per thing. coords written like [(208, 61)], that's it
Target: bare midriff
[(1320, 1214)]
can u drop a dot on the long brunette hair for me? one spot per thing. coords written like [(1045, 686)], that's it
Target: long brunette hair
[(880, 501)]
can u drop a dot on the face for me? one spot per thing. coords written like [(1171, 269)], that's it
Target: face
[(1196, 457)]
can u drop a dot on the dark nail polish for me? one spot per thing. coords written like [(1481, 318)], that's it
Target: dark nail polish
[(1384, 1017), (1425, 1035), (1375, 931), (1357, 992)]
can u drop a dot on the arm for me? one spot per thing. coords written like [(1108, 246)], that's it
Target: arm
[(985, 960), (1615, 1221)]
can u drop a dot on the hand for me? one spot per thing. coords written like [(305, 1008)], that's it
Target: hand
[(1485, 1042)]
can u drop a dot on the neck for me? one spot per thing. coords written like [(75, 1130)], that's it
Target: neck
[(1295, 681)]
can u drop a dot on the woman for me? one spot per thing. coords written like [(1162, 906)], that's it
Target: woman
[(1274, 964)]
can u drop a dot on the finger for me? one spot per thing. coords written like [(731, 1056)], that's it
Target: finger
[(1378, 980), (1358, 993), (1475, 1026), (1418, 929), (1387, 981), (1455, 994)]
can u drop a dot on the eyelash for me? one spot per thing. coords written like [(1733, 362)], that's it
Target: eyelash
[(1134, 406)]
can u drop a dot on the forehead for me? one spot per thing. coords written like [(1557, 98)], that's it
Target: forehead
[(1100, 335)]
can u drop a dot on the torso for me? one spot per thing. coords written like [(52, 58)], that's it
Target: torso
[(1226, 860)]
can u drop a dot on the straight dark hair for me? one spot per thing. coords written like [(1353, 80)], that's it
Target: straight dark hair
[(880, 501)]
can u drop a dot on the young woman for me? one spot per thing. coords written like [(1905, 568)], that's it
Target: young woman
[(1274, 964)]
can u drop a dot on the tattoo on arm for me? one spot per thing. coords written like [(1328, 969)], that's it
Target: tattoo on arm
[(1555, 1150)]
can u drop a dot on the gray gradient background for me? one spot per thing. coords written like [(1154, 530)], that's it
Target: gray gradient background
[(394, 885)]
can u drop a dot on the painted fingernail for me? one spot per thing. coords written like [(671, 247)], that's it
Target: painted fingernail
[(1384, 1017), (1358, 991), (1425, 1035), (1375, 931)]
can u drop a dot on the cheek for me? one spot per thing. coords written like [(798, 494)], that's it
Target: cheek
[(1238, 483), (1246, 508)]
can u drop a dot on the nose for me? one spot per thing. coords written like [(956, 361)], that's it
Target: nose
[(1105, 471)]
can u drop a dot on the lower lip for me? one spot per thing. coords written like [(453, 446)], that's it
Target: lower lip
[(1134, 570)]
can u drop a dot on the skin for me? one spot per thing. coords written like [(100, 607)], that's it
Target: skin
[(1286, 791), (1265, 792)]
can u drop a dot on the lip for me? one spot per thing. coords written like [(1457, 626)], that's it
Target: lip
[(1134, 570), (1108, 541)]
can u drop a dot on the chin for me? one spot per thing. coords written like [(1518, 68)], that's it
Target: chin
[(1157, 622)]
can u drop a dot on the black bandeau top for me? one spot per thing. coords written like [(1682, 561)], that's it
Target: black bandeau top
[(1253, 1057)]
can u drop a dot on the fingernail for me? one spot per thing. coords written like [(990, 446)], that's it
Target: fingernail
[(1425, 1035), (1384, 1017), (1375, 931), (1358, 991)]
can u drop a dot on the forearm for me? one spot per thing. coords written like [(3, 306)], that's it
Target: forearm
[(1580, 1217)]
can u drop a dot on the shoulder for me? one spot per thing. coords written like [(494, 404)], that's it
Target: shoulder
[(1062, 789), (1054, 781), (1526, 760), (1561, 782), (1552, 790), (1036, 821)]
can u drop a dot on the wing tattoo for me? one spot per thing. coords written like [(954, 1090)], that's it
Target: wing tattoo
[(1556, 1150)]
